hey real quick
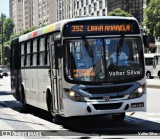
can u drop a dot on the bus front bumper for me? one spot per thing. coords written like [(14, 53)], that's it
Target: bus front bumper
[(72, 108)]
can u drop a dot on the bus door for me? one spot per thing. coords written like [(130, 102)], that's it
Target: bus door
[(54, 73)]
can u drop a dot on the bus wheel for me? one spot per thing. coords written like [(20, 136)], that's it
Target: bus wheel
[(57, 119), (50, 104), (148, 75), (24, 104), (53, 117), (118, 117)]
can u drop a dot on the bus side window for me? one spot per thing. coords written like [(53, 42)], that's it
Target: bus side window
[(25, 54), (42, 52), (22, 55), (38, 52), (28, 54), (34, 52), (31, 57), (47, 51)]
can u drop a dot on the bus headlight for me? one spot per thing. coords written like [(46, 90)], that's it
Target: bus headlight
[(74, 95), (138, 92)]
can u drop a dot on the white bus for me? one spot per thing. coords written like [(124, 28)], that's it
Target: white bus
[(152, 61), (66, 67)]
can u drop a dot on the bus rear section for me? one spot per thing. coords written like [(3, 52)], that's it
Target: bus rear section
[(152, 63), (15, 68)]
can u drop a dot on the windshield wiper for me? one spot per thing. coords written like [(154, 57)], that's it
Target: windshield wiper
[(119, 47), (87, 46)]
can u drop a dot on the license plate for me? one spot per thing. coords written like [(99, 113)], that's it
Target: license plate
[(139, 104)]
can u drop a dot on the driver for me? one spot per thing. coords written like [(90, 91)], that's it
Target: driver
[(118, 55)]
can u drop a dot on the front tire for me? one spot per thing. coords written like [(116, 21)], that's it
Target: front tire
[(118, 117), (54, 118)]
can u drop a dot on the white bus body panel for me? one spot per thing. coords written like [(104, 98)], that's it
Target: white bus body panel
[(72, 108), (36, 82)]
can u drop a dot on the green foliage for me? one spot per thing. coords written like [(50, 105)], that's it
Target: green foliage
[(119, 12), (6, 50), (152, 17), (8, 35), (8, 29), (7, 25)]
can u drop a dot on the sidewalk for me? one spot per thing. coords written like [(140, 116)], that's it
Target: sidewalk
[(153, 83)]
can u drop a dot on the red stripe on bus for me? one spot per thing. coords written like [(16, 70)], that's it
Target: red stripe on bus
[(35, 34)]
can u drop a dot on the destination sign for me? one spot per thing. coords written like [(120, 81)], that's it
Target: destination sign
[(100, 27)]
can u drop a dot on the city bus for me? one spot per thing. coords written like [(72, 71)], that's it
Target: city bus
[(152, 61), (67, 68)]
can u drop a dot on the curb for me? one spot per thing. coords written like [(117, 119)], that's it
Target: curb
[(153, 86)]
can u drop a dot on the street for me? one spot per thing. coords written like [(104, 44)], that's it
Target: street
[(140, 124)]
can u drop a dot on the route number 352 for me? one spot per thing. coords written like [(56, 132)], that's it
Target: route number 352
[(77, 28)]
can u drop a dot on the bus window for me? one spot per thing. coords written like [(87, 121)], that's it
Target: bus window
[(22, 55), (28, 54), (86, 67), (42, 51), (47, 51), (35, 52)]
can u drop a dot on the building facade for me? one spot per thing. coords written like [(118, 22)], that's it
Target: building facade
[(43, 8), (135, 7), (91, 8), (10, 9), (67, 9), (28, 13), (16, 12)]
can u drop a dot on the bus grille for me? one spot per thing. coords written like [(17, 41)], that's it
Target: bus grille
[(106, 90), (111, 97), (107, 106)]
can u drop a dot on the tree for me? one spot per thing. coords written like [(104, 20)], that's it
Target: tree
[(8, 29), (119, 12), (152, 17), (7, 25)]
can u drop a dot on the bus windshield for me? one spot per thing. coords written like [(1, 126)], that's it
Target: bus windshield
[(102, 60)]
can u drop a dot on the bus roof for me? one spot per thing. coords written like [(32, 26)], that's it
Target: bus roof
[(59, 25), (151, 55)]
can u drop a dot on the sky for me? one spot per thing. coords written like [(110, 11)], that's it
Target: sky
[(4, 7)]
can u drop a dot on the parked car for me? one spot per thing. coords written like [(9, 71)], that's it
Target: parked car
[(3, 71)]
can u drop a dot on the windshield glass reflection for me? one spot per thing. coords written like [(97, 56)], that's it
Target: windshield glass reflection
[(102, 60)]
